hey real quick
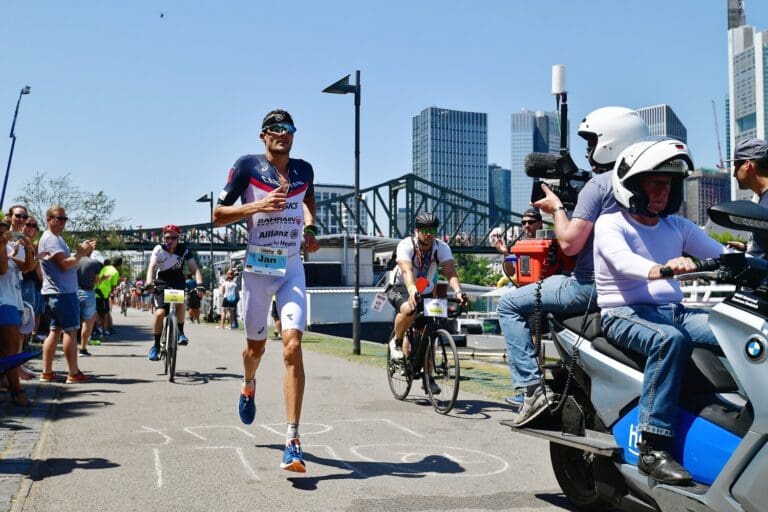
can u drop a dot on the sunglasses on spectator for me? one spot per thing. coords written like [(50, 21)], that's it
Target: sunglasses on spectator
[(279, 129), (524, 222), (21, 215), (62, 218), (428, 231), (31, 224), (170, 237)]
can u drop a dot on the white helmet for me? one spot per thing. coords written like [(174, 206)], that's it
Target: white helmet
[(608, 131), (652, 156)]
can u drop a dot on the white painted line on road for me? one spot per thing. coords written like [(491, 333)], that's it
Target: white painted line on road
[(189, 431), (158, 467), (239, 452), (321, 428), (385, 420), (148, 430)]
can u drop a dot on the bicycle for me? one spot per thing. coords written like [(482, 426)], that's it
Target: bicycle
[(125, 299), (169, 347), (431, 347)]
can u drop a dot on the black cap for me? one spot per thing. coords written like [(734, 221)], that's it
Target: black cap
[(275, 117), (532, 213)]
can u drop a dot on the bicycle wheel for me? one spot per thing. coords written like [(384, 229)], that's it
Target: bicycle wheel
[(399, 375), (173, 348), (442, 357), (164, 348)]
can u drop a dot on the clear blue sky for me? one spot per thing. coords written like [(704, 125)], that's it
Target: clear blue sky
[(154, 110)]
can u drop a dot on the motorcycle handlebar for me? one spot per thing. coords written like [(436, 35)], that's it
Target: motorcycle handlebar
[(706, 265)]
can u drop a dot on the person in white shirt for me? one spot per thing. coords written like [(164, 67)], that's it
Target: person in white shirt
[(641, 310)]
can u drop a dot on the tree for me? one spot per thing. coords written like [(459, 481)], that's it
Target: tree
[(89, 212), (475, 270)]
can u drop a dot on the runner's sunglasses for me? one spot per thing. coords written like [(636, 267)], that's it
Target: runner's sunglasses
[(279, 129)]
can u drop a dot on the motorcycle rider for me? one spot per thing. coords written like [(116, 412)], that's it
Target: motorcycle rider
[(640, 309), (608, 131)]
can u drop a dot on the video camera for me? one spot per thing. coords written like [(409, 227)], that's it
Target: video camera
[(560, 174)]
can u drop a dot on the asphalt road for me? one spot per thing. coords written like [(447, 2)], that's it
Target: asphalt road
[(130, 440)]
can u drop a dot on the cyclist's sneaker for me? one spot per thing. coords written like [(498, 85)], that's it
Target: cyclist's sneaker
[(47, 377), (395, 350), (78, 377), (293, 457), (94, 341), (533, 406), (247, 405), (183, 340), (84, 352), (154, 353), (434, 388)]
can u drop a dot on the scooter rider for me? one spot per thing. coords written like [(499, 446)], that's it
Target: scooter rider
[(608, 131), (640, 309)]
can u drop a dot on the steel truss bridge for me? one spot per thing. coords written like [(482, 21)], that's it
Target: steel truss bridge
[(380, 207)]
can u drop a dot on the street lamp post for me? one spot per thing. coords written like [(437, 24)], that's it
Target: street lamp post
[(343, 87), (24, 90), (209, 199)]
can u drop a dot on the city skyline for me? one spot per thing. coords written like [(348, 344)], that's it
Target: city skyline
[(154, 111)]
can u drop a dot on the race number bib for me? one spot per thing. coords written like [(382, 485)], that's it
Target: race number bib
[(436, 307), (171, 296), (266, 261)]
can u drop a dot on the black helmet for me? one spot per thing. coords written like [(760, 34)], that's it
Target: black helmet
[(427, 220)]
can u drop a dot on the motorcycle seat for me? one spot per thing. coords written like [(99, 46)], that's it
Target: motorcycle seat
[(706, 372)]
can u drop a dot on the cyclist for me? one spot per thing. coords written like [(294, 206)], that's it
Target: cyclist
[(415, 276), (277, 196), (166, 270)]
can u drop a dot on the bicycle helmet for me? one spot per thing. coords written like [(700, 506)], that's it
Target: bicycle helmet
[(656, 156), (609, 131), (171, 228), (427, 220)]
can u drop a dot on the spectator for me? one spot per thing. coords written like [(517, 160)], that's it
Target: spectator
[(33, 280), (87, 269), (229, 294), (750, 168), (60, 293)]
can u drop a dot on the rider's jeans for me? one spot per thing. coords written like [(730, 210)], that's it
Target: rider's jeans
[(666, 335), (559, 294)]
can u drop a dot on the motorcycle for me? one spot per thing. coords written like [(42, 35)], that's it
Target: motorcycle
[(722, 437)]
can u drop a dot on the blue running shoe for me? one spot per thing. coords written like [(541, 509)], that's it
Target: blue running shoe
[(154, 353), (183, 340), (247, 406), (293, 457)]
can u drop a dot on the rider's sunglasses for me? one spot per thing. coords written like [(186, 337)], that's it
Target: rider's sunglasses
[(281, 128), (737, 165), (428, 231), (170, 237)]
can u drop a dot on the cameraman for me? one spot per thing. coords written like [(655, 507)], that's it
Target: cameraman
[(608, 131)]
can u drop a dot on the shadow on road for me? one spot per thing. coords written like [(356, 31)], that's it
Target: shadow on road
[(39, 469), (192, 377), (361, 470)]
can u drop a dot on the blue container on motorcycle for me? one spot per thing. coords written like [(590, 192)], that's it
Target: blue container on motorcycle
[(700, 445)]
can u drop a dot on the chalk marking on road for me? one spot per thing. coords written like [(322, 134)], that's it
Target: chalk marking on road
[(239, 452), (385, 420), (418, 450), (189, 431), (158, 467), (321, 428), (148, 430), (333, 455)]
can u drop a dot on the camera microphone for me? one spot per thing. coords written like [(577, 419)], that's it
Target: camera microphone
[(549, 166)]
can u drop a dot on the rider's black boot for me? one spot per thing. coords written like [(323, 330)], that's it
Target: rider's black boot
[(657, 462)]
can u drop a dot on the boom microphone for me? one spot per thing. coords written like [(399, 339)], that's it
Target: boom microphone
[(549, 166)]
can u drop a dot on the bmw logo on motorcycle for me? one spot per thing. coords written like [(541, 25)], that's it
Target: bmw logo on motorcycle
[(754, 349)]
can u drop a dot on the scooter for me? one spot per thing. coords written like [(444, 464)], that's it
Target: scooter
[(722, 435)]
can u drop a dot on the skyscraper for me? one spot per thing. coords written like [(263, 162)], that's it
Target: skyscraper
[(499, 185), (747, 84), (531, 131), (663, 122), (703, 188), (336, 218), (450, 149)]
